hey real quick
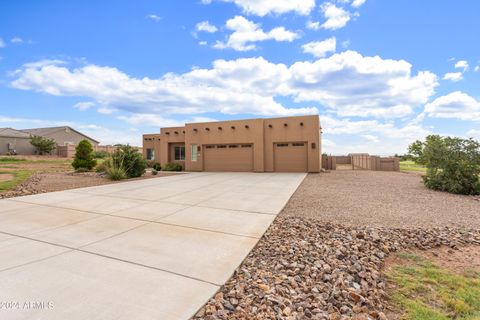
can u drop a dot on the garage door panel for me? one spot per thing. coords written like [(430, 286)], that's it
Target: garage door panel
[(229, 158), (290, 157)]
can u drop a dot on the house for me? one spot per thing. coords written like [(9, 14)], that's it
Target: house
[(290, 144), (18, 141)]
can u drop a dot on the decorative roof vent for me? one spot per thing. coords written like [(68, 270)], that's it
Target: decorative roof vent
[(270, 126), (208, 129), (246, 126), (195, 129), (301, 124), (233, 127), (285, 124), (219, 128)]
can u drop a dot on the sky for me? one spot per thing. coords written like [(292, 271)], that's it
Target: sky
[(380, 74)]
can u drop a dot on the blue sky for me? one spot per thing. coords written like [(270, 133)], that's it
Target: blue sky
[(379, 73)]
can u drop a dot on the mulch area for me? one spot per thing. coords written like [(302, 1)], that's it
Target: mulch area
[(323, 257)]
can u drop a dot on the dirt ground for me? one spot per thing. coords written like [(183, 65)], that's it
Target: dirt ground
[(381, 199), (50, 174)]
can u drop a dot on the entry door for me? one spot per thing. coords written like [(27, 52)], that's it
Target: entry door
[(290, 157), (233, 157)]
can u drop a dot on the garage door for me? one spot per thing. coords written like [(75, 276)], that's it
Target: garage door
[(229, 157), (290, 157)]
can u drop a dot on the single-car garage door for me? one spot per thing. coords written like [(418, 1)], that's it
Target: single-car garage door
[(290, 157), (228, 157)]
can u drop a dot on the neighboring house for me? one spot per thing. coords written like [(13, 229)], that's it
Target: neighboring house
[(62, 135), (290, 144), (18, 141)]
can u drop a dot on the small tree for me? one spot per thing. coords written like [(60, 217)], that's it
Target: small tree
[(453, 164), (43, 145), (83, 156)]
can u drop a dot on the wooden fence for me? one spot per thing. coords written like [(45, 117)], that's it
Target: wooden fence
[(361, 161)]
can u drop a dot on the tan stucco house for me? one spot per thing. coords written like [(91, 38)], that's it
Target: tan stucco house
[(19, 140), (290, 144)]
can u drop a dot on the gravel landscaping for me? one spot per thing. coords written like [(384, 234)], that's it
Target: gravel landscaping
[(375, 198), (323, 256)]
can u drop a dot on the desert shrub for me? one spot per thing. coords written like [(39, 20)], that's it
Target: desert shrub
[(172, 166), (157, 166), (100, 154), (114, 169), (83, 156), (154, 172), (101, 167), (453, 164), (42, 145), (130, 160), (150, 163)]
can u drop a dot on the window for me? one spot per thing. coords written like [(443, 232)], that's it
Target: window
[(246, 145), (194, 149), (221, 147), (298, 144), (150, 154), (210, 147), (179, 153), (233, 146), (282, 144)]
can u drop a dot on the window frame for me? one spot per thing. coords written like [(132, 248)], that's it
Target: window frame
[(181, 154), (194, 153), (152, 154)]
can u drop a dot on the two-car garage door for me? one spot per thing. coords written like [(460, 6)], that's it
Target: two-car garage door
[(229, 157)]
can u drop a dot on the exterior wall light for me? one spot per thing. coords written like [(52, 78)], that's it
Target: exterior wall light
[(314, 146)]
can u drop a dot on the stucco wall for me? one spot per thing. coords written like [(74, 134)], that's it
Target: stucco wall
[(62, 135), (21, 145), (262, 133)]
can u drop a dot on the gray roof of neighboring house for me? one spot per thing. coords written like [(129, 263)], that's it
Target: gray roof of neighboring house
[(50, 130), (12, 133)]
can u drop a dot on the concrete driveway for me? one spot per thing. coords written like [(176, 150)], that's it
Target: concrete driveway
[(147, 249)]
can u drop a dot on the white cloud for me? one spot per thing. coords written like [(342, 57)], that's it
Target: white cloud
[(353, 85), (205, 26), (156, 120), (153, 17), (346, 83), (462, 64), (16, 40), (106, 110), (358, 3), (203, 43), (263, 7), (371, 136), (477, 69), (336, 17), (246, 32), (320, 49), (82, 106), (313, 25), (2, 43), (453, 76), (456, 105)]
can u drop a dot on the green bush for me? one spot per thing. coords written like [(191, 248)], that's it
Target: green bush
[(43, 145), (83, 156), (101, 167), (157, 166), (130, 160), (453, 164), (172, 166), (100, 154), (154, 172)]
